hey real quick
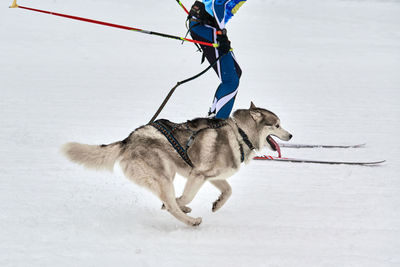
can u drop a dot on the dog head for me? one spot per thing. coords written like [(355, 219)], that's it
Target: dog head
[(264, 124)]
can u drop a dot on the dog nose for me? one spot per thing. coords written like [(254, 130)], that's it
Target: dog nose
[(290, 136)]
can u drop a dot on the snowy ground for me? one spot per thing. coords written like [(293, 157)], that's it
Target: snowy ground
[(330, 70)]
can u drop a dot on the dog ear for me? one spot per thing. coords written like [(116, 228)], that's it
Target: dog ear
[(256, 115), (252, 106)]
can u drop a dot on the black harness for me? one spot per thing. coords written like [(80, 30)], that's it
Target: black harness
[(166, 131), (193, 127), (199, 14), (246, 140), (167, 128)]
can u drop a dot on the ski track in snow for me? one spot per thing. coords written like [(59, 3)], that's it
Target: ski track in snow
[(329, 69)]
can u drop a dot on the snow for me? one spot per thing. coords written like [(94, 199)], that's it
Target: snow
[(329, 69)]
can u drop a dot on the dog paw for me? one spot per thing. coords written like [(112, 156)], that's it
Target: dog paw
[(197, 221), (216, 205), (185, 209)]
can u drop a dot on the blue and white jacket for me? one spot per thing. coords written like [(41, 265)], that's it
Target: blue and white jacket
[(223, 10)]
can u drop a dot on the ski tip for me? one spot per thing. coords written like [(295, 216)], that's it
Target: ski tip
[(14, 4), (359, 145), (375, 162)]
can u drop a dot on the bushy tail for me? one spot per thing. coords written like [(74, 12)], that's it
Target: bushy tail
[(93, 156)]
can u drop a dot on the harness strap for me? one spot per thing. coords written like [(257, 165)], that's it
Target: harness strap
[(175, 144), (198, 13), (246, 140), (241, 153), (187, 33), (167, 131)]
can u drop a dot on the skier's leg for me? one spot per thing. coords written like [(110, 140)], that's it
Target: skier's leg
[(226, 93), (226, 68)]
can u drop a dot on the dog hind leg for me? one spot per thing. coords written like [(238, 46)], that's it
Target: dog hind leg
[(226, 192), (161, 185)]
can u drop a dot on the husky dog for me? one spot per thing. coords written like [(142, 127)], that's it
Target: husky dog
[(202, 150)]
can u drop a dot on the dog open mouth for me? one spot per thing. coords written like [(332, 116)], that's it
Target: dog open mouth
[(274, 145)]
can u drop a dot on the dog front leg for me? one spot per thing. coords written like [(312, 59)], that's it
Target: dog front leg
[(192, 186), (226, 192), (167, 196)]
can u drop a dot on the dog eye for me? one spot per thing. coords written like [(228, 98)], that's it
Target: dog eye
[(277, 126)]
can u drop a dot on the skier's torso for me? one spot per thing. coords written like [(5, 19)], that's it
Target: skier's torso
[(222, 10)]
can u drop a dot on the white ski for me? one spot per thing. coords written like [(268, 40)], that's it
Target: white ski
[(289, 145), (297, 160)]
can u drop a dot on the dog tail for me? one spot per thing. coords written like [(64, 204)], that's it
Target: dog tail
[(100, 157)]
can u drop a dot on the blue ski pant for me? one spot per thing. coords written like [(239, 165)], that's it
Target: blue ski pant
[(227, 70)]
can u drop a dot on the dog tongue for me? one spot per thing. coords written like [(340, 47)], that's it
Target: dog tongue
[(275, 145)]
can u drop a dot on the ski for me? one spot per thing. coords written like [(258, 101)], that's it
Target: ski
[(288, 145), (297, 160)]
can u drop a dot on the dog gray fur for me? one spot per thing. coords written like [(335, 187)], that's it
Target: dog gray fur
[(148, 159)]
